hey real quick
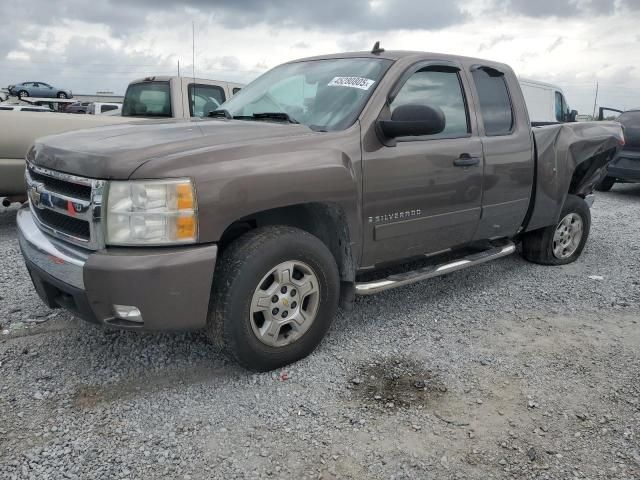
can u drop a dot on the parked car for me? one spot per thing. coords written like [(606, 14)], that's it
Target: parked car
[(39, 90), (626, 166), (24, 108), (77, 107), (546, 103), (101, 108), (253, 224)]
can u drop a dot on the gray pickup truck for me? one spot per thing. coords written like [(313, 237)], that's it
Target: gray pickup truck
[(297, 195)]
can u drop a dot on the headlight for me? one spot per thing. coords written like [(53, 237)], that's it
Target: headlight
[(151, 212)]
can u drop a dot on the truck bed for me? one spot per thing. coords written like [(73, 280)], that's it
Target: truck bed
[(564, 152)]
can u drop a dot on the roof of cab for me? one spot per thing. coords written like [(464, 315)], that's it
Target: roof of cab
[(395, 55), (166, 78)]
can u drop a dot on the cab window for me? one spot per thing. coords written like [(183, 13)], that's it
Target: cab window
[(147, 99), (204, 99), (495, 103), (439, 87), (560, 107)]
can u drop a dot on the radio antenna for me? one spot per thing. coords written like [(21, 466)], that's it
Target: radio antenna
[(193, 65), (193, 50)]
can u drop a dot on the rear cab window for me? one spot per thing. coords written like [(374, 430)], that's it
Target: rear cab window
[(495, 103), (147, 99)]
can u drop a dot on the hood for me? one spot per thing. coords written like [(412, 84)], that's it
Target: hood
[(116, 151)]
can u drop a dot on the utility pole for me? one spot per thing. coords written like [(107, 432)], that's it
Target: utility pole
[(178, 68), (595, 102)]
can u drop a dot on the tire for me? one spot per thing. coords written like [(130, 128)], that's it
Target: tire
[(558, 244), (23, 94), (62, 95), (243, 279), (606, 184)]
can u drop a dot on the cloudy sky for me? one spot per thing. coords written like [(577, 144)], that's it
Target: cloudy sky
[(102, 45)]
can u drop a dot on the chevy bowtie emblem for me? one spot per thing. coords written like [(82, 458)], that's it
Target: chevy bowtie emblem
[(285, 302), (35, 194)]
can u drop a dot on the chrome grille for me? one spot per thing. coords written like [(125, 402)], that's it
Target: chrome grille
[(66, 206)]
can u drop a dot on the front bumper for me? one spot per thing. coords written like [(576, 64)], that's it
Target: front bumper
[(170, 286)]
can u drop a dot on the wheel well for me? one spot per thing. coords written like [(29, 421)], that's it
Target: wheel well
[(323, 220), (589, 173)]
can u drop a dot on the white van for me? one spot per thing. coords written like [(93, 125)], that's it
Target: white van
[(546, 103)]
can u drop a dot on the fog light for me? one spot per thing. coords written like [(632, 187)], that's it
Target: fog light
[(128, 312)]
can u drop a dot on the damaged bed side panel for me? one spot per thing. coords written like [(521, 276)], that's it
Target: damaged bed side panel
[(583, 149)]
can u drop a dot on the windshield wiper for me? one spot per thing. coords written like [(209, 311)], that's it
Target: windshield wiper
[(275, 116), (221, 113)]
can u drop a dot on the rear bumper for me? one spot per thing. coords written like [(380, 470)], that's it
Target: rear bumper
[(12, 176), (169, 286), (626, 166)]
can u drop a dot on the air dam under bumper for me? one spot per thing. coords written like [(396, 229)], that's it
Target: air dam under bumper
[(170, 286)]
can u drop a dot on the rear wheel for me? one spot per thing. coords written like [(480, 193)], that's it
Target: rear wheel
[(606, 184), (275, 294), (561, 243)]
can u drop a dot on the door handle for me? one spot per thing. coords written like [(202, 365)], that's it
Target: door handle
[(466, 160)]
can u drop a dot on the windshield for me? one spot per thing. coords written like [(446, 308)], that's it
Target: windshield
[(322, 94), (147, 99)]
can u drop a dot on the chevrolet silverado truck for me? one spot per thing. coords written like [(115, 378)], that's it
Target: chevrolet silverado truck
[(297, 194), (150, 97)]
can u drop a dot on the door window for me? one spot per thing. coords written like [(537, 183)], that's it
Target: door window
[(437, 87), (204, 99), (495, 104), (562, 109)]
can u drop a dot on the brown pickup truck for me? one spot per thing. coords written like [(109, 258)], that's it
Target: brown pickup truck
[(255, 224)]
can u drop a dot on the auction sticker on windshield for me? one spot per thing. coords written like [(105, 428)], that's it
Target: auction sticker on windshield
[(353, 82)]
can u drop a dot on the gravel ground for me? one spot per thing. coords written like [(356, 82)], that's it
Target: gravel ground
[(507, 370)]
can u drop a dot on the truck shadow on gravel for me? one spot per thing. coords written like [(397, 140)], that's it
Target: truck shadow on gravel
[(89, 396), (631, 190)]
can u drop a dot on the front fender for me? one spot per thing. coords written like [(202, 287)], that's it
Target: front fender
[(247, 186)]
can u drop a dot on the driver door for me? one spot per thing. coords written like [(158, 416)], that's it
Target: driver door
[(419, 197)]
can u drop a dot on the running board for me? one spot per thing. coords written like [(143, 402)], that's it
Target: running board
[(399, 280)]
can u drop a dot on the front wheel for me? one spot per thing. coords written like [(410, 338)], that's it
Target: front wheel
[(562, 243), (23, 94), (275, 294), (62, 95)]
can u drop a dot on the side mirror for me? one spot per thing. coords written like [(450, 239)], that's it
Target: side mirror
[(571, 117), (413, 120)]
